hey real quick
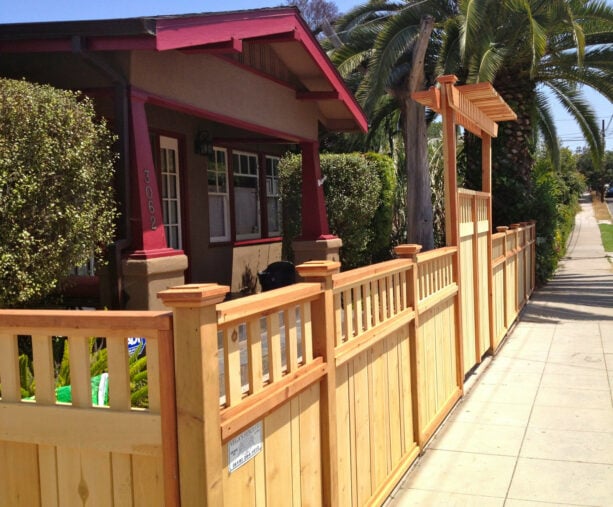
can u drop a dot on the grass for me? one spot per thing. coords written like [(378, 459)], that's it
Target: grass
[(602, 213), (606, 233)]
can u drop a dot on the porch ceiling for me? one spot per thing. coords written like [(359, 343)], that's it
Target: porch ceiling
[(224, 34)]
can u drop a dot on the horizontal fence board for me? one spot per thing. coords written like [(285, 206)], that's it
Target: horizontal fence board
[(251, 409), (134, 432), (83, 322), (243, 309), (369, 273)]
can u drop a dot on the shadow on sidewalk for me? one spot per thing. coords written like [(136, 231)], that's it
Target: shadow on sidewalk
[(572, 297)]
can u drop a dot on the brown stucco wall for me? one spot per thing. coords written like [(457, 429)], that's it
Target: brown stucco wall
[(217, 86)]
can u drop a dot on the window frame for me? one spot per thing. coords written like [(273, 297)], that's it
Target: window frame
[(226, 199), (261, 160), (275, 195), (258, 194), (165, 142)]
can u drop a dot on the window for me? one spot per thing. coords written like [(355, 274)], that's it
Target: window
[(245, 172), (244, 199), (273, 204), (219, 210), (171, 201)]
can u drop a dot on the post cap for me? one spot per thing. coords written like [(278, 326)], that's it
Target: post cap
[(196, 294), (407, 250), (311, 269)]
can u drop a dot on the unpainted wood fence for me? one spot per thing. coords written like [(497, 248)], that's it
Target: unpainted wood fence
[(320, 393)]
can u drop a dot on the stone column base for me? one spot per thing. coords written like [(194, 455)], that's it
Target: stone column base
[(317, 250), (144, 278)]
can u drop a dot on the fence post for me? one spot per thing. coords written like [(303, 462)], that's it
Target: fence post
[(322, 310), (532, 255), (505, 281), (410, 251), (197, 391)]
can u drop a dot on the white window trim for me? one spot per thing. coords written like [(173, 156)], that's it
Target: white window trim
[(228, 203), (276, 232), (255, 235), (170, 143)]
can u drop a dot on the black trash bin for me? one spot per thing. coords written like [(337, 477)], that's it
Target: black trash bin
[(278, 274)]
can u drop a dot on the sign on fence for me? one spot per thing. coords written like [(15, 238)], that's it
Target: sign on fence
[(244, 447)]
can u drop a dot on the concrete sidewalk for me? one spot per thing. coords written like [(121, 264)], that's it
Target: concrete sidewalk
[(536, 428)]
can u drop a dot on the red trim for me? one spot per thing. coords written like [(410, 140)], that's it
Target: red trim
[(227, 142), (175, 33), (147, 222), (314, 216), (276, 39), (233, 45), (259, 241)]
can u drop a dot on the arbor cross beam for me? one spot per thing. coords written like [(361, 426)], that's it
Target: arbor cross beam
[(478, 107)]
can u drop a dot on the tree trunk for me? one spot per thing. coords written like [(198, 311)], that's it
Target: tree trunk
[(420, 227), (513, 149), (419, 193)]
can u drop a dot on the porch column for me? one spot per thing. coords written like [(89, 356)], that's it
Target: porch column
[(151, 266), (315, 242)]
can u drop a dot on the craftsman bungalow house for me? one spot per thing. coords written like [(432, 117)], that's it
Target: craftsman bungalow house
[(203, 105)]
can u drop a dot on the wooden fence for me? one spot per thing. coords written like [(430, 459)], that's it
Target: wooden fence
[(320, 393), (64, 454)]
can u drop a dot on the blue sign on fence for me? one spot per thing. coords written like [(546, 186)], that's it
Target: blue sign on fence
[(134, 343)]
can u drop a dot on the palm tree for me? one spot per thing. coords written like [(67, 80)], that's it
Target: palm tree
[(532, 50), (388, 51)]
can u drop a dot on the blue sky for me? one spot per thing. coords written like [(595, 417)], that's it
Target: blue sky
[(21, 11)]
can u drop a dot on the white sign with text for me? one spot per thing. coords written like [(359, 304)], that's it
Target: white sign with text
[(244, 447)]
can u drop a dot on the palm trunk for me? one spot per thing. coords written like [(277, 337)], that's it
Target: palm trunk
[(420, 227), (419, 193), (513, 149)]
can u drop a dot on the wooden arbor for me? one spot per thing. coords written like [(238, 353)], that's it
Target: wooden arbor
[(477, 108), (468, 224)]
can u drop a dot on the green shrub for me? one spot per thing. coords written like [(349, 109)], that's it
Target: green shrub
[(56, 198), (358, 191), (380, 245), (553, 204)]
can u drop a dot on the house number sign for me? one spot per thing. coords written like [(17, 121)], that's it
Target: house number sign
[(149, 196), (244, 447)]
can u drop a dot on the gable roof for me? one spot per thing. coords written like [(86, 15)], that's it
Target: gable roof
[(219, 33)]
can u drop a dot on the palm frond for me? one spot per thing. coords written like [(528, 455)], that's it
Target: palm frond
[(578, 107), (547, 127)]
